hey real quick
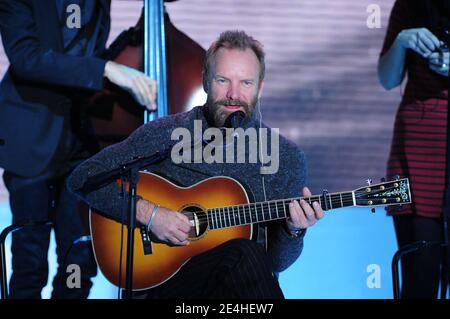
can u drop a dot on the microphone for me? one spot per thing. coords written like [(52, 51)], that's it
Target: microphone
[(234, 120)]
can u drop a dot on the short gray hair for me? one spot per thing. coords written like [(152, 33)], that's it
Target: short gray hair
[(233, 40)]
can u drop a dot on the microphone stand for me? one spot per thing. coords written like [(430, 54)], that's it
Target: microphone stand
[(128, 171)]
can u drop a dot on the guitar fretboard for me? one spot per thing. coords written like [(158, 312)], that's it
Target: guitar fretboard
[(277, 209)]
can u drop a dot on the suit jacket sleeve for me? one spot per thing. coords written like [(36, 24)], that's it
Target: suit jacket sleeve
[(32, 60)]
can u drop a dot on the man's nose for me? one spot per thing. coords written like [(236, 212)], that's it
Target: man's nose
[(233, 92)]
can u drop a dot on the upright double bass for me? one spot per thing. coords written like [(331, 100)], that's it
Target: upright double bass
[(156, 47)]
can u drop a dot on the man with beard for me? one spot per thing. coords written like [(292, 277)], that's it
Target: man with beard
[(233, 79)]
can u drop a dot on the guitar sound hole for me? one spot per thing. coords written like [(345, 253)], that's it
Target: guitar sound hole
[(199, 221)]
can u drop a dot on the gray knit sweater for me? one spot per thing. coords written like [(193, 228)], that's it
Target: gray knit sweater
[(155, 136)]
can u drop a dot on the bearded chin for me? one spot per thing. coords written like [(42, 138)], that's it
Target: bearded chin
[(219, 115)]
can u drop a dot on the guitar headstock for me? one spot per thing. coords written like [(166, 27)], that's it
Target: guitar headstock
[(384, 194)]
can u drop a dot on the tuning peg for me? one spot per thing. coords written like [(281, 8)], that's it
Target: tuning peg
[(397, 177), (383, 179), (373, 210), (369, 181)]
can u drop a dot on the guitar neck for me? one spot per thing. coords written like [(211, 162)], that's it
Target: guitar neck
[(271, 210)]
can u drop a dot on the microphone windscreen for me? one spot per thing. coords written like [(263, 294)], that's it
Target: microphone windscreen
[(234, 120)]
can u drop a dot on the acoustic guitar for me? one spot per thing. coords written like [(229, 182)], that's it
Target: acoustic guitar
[(219, 210)]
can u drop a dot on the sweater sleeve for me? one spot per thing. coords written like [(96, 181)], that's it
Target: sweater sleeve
[(145, 141), (284, 249)]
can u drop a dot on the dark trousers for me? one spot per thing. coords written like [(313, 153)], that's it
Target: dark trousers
[(47, 200), (420, 269), (238, 268), (42, 198)]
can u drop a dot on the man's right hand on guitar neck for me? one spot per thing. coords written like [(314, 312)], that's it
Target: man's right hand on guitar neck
[(167, 225)]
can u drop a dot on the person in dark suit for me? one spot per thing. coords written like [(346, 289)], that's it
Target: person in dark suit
[(54, 62)]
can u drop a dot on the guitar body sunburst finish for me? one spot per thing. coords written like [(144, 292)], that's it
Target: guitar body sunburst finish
[(165, 261), (226, 203)]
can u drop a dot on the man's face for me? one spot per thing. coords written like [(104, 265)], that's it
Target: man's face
[(234, 85)]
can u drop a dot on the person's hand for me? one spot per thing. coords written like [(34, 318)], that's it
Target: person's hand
[(304, 215), (140, 86), (438, 62), (420, 40), (168, 226)]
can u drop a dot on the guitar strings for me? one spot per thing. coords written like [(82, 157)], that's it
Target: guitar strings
[(334, 202), (335, 199), (223, 214), (247, 210), (250, 208), (347, 199), (263, 209)]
